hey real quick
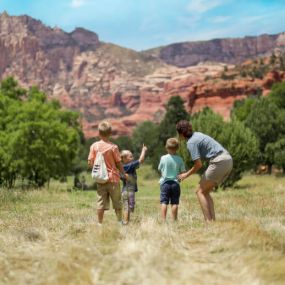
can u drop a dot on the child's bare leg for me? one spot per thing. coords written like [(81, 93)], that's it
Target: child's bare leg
[(126, 216), (131, 202), (125, 198), (119, 214), (100, 214), (163, 211), (174, 211)]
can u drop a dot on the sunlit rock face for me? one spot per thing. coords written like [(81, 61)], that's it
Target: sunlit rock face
[(105, 81), (231, 51)]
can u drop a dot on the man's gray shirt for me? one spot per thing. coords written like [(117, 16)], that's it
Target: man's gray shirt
[(203, 147)]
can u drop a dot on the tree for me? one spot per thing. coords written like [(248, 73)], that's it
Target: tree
[(155, 136), (39, 140), (147, 133), (242, 108), (175, 111), (234, 136), (265, 122), (10, 88), (124, 142), (243, 147), (277, 94), (277, 151), (208, 122), (273, 58)]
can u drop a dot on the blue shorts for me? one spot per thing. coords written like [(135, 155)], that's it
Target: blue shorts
[(169, 192)]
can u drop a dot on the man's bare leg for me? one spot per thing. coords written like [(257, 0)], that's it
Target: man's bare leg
[(205, 200), (212, 207)]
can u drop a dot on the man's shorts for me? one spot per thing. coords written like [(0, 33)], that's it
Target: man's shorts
[(170, 192), (219, 168), (107, 191), (128, 198)]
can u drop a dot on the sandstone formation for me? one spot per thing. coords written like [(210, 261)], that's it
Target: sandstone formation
[(231, 51), (105, 81)]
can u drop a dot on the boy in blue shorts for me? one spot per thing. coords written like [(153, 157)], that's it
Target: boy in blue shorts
[(170, 166), (130, 186)]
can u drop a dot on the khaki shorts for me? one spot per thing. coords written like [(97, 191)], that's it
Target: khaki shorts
[(107, 191), (219, 168)]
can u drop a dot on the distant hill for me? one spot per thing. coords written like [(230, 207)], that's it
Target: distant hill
[(106, 81), (233, 51)]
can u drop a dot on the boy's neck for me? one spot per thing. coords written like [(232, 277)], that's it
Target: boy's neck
[(105, 139), (171, 152)]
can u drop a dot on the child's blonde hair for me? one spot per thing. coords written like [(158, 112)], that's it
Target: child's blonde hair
[(172, 144), (104, 129), (124, 153)]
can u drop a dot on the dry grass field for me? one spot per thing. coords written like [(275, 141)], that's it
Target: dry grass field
[(50, 236)]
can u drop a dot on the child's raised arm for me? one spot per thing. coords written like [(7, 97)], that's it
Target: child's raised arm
[(142, 156)]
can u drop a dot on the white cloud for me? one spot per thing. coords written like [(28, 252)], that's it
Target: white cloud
[(202, 6), (220, 19), (253, 19), (78, 3)]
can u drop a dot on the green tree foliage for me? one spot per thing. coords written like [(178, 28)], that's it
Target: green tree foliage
[(10, 88), (155, 136), (208, 122), (242, 108), (265, 121), (234, 136), (282, 62), (277, 94), (124, 142), (243, 147), (175, 111), (276, 150), (38, 141), (273, 58), (147, 133)]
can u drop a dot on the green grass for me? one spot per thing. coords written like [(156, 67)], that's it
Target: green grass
[(50, 236)]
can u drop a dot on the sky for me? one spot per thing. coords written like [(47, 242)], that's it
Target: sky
[(144, 24)]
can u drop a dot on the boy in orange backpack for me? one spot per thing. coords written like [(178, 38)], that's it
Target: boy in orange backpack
[(111, 188)]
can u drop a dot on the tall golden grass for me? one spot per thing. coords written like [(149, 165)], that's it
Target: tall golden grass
[(50, 236)]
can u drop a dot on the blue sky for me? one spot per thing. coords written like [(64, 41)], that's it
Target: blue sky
[(143, 24)]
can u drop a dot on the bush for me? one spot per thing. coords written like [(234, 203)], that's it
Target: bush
[(234, 136), (38, 140)]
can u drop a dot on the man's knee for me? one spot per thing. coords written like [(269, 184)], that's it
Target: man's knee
[(206, 187), (199, 190)]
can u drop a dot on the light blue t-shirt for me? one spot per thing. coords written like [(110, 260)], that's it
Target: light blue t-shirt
[(203, 147), (170, 166)]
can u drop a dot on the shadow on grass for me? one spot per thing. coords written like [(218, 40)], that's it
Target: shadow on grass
[(244, 186)]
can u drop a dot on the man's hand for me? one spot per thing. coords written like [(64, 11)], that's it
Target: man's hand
[(182, 176)]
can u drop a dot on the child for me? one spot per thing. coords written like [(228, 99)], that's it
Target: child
[(170, 166), (110, 189), (130, 185)]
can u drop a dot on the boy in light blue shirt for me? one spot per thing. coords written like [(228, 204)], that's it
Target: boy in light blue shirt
[(170, 166)]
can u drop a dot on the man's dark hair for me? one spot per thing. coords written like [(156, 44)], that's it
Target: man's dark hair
[(184, 128)]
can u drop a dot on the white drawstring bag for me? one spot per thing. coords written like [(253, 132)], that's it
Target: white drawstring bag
[(99, 171)]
